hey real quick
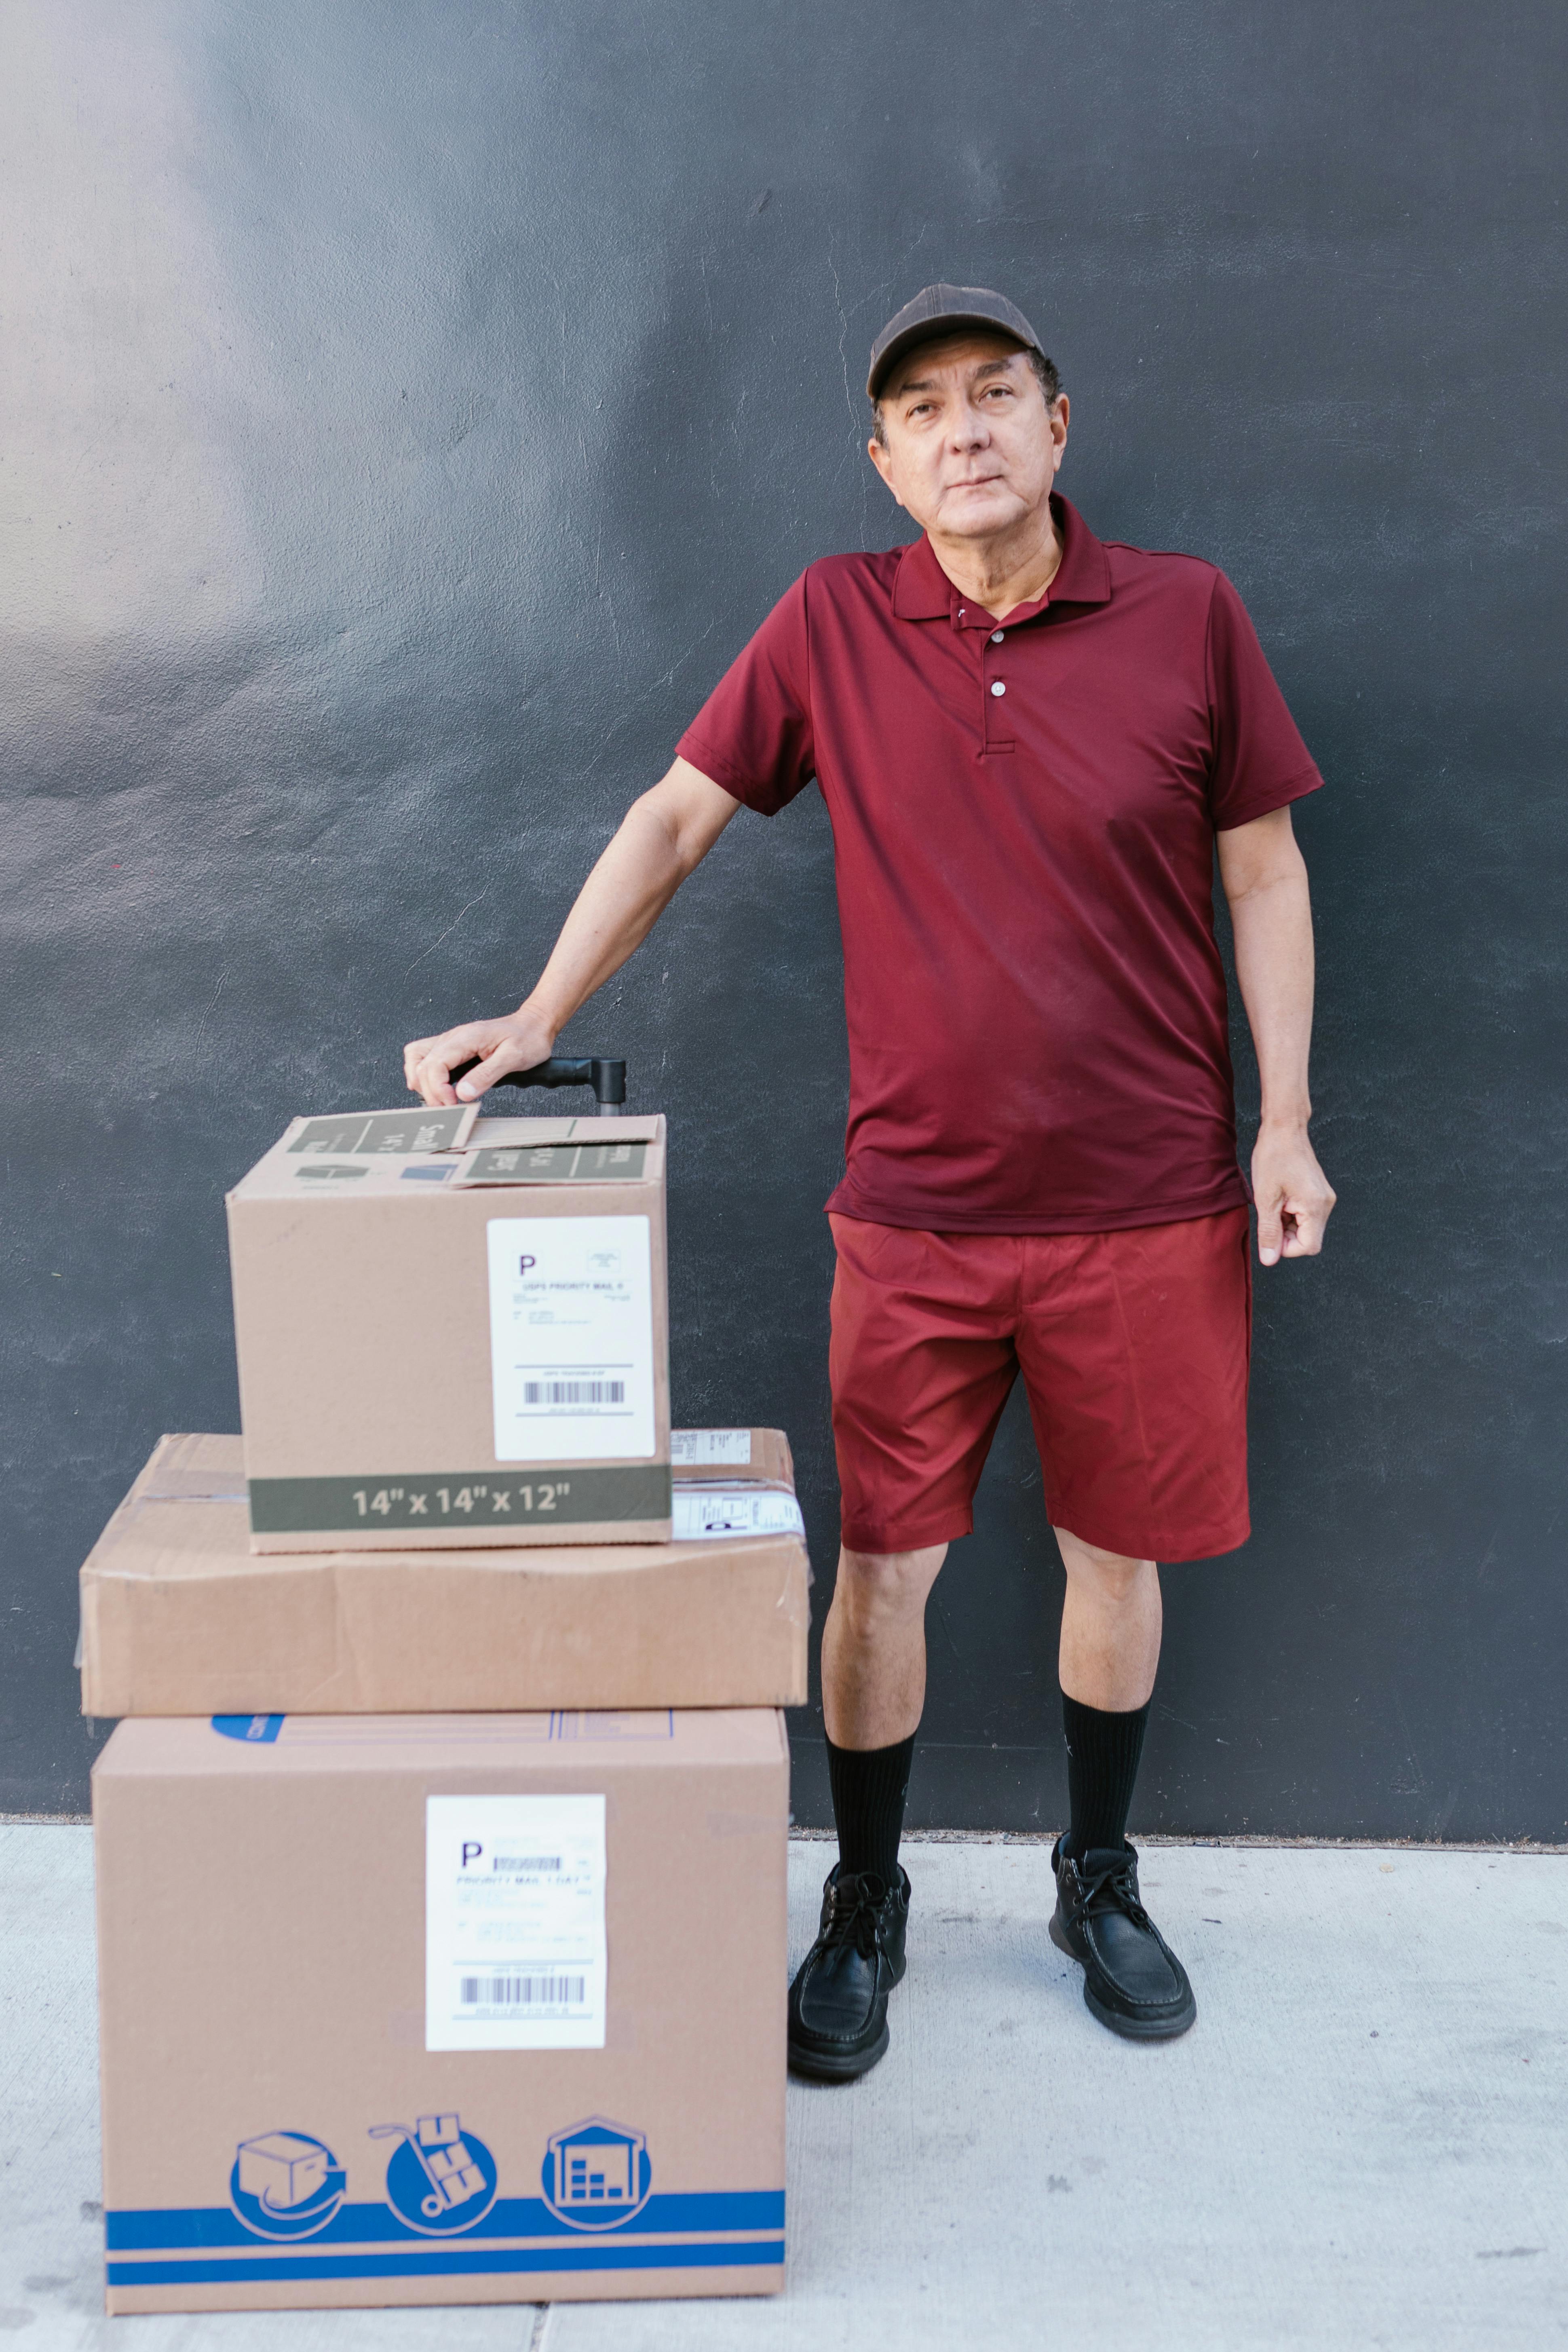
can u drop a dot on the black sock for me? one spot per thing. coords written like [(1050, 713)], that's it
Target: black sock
[(1102, 1764), (869, 1785)]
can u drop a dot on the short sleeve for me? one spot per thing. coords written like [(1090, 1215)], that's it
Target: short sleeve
[(1260, 759), (753, 735)]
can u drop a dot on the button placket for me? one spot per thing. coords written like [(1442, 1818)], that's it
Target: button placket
[(993, 692)]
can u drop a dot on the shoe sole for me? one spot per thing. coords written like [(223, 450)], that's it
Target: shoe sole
[(1131, 2029), (820, 2066)]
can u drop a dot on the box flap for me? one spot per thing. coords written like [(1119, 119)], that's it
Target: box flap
[(398, 1134)]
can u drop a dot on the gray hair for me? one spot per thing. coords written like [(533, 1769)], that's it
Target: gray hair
[(1046, 375)]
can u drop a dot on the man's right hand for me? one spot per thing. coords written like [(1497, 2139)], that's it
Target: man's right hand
[(516, 1041)]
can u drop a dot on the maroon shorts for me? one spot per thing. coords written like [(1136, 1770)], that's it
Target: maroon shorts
[(1134, 1348)]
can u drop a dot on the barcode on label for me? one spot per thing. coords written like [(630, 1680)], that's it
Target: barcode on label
[(526, 1862), (574, 1392), (521, 1992)]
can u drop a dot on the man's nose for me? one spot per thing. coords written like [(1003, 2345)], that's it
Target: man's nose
[(969, 430)]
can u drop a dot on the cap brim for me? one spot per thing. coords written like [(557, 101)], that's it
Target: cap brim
[(930, 331)]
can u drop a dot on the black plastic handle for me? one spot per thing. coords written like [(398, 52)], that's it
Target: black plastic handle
[(608, 1079)]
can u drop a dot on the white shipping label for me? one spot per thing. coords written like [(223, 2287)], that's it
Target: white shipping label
[(748, 1511), (731, 1447), (514, 1923), (572, 1337)]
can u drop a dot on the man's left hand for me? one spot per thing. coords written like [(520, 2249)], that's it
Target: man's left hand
[(1293, 1195)]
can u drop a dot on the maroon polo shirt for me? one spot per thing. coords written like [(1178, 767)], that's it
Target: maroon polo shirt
[(1023, 823)]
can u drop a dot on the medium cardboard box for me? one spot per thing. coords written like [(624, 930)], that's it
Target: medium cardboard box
[(180, 1617), (453, 1331), (406, 2010)]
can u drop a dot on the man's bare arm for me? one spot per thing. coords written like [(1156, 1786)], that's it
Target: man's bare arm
[(1264, 879), (662, 838)]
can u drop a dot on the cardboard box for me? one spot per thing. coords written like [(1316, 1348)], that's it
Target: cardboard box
[(453, 1331), (744, 1456), (409, 2009), (732, 1482), (180, 1617)]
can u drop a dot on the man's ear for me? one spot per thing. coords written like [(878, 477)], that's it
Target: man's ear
[(883, 463)]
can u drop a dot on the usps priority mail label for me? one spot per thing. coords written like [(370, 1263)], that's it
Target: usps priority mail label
[(572, 1337), (514, 1923), (698, 1448), (745, 1511)]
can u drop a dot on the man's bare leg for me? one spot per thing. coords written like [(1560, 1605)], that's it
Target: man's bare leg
[(874, 1645), (1112, 1621)]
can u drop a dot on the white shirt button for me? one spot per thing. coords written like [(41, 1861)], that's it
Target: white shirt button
[(997, 635), (998, 687)]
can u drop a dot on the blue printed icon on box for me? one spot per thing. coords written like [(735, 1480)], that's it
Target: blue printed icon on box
[(439, 2178), (285, 2184), (596, 2174)]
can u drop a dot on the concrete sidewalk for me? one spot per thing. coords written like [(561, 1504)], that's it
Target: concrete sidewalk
[(1364, 2142)]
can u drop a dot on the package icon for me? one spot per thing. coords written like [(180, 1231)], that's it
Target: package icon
[(454, 2174), (281, 2169), (448, 2166)]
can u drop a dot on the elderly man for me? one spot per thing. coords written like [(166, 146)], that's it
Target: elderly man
[(1029, 741)]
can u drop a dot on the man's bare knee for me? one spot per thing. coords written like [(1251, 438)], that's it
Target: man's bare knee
[(879, 1590), (1111, 1576)]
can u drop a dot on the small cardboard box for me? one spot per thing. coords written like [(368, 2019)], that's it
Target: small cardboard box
[(180, 1617), (744, 1457), (454, 1331), (403, 2010)]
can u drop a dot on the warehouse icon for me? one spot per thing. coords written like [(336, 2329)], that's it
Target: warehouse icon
[(597, 2174)]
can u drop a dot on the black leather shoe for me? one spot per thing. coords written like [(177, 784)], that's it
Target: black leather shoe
[(1132, 1981), (839, 2001)]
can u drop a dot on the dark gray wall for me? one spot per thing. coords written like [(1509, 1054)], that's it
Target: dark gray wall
[(411, 409)]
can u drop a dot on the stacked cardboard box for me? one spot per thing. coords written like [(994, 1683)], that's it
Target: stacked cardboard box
[(180, 1616), (421, 1809)]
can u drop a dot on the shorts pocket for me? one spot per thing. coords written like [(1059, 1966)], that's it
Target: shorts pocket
[(895, 1255)]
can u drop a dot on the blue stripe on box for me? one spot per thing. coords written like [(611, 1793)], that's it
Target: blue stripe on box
[(467, 2261), (157, 2231)]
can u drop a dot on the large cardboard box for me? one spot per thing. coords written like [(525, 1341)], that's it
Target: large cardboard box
[(454, 1330), (180, 1617), (442, 2009)]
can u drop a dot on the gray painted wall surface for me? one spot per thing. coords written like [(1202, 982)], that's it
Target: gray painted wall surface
[(410, 409)]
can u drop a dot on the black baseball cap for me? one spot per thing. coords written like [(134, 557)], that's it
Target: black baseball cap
[(941, 309)]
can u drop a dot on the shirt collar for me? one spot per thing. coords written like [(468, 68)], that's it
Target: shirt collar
[(922, 590)]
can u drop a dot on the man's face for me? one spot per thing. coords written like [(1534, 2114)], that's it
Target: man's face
[(971, 448)]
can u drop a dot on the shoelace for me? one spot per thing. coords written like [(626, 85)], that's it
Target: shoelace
[(1111, 1889), (853, 1919)]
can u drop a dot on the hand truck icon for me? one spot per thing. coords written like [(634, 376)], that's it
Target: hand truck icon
[(439, 2149)]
